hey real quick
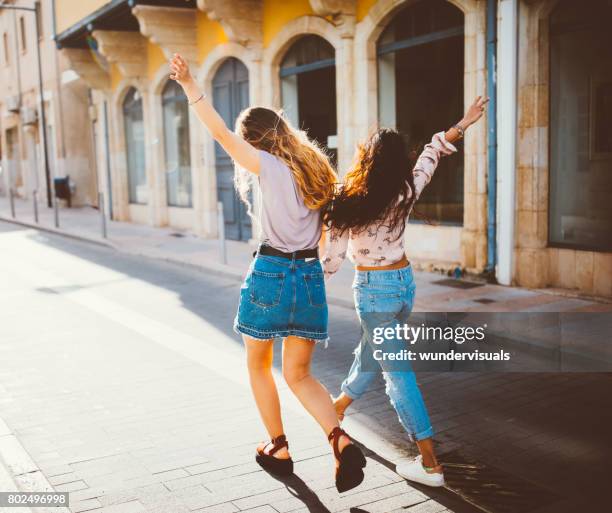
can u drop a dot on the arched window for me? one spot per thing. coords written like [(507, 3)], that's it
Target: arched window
[(308, 89), (135, 147), (580, 214), (420, 92), (176, 145), (230, 97)]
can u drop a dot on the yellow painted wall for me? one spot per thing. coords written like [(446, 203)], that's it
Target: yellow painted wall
[(276, 13), (210, 34), (115, 76), (363, 7), (155, 59), (69, 12)]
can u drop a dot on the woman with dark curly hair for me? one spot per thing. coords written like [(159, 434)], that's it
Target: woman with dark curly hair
[(366, 221)]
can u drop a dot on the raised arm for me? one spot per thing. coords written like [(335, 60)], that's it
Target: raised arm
[(473, 114), (236, 147), (442, 144)]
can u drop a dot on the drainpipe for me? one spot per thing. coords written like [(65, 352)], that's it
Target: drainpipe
[(492, 136), (61, 147), (507, 50)]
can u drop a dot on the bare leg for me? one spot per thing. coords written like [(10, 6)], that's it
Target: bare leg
[(341, 403), (297, 354), (259, 362), (426, 448)]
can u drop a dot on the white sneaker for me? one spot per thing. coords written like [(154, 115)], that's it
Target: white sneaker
[(413, 471)]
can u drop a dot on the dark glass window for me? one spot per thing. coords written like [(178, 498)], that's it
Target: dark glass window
[(420, 92), (580, 213), (308, 87)]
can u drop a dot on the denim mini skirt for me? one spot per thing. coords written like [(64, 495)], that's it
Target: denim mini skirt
[(281, 297)]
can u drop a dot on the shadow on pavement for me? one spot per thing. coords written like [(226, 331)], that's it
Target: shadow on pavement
[(300, 490), (550, 428)]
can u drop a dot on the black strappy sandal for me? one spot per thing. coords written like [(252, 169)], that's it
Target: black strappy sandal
[(277, 466), (349, 473)]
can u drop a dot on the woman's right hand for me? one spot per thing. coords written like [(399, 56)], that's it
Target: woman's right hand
[(474, 112), (180, 70)]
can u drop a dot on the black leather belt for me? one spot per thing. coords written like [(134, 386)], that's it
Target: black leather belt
[(297, 255)]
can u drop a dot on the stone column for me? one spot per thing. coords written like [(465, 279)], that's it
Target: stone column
[(342, 14), (128, 51), (532, 156), (118, 161), (345, 93), (474, 233)]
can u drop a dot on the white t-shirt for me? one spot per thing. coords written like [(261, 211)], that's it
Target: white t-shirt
[(287, 223)]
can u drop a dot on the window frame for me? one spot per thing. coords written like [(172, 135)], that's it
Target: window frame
[(414, 41), (166, 100), (126, 110)]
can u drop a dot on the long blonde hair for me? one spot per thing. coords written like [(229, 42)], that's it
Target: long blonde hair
[(268, 131)]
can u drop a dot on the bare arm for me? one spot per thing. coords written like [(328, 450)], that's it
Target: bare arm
[(236, 147), (440, 146), (334, 251)]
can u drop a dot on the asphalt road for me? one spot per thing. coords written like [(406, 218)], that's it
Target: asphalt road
[(124, 381)]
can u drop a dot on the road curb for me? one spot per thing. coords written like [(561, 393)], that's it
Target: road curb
[(57, 231), (19, 472), (219, 269)]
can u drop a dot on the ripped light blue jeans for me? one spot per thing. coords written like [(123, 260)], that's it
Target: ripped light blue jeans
[(384, 299)]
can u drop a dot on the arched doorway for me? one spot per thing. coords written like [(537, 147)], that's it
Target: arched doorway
[(135, 147), (420, 92), (580, 211), (230, 96), (176, 145), (308, 89)]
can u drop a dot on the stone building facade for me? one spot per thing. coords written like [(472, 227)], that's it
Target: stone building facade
[(342, 67), (66, 102)]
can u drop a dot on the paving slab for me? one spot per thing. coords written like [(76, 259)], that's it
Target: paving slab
[(117, 385)]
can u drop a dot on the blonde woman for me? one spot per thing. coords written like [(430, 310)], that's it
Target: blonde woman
[(283, 295)]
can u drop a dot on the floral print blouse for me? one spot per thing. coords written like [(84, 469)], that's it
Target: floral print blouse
[(377, 245)]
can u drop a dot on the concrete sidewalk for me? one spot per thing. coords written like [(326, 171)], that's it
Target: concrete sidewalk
[(114, 391), (436, 292)]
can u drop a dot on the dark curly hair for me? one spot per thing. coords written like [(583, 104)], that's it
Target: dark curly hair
[(379, 187)]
